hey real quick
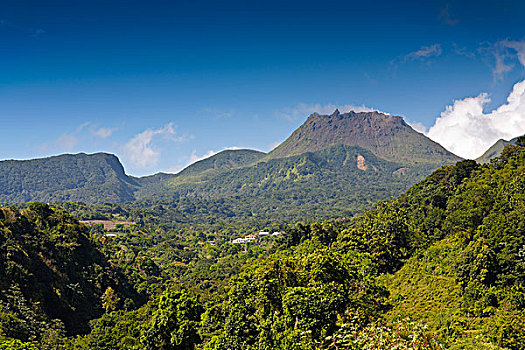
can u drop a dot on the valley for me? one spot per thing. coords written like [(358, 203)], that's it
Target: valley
[(262, 175), (352, 243)]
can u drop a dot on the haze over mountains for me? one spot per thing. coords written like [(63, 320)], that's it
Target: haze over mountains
[(341, 161)]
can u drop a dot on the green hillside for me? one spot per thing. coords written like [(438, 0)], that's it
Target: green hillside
[(203, 169), (462, 230), (228, 159), (439, 267), (90, 178), (320, 184), (52, 276)]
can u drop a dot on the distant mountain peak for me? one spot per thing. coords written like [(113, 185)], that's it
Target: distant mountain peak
[(495, 150), (388, 136)]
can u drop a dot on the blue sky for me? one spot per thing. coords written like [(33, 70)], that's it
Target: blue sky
[(163, 83)]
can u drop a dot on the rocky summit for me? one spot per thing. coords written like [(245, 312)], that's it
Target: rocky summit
[(387, 136)]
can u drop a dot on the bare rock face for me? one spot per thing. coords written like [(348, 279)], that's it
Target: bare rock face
[(361, 165), (387, 136)]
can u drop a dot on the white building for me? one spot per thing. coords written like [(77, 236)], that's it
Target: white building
[(244, 240)]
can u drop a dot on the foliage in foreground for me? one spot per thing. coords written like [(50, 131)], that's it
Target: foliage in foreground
[(450, 252), (294, 300), (400, 335)]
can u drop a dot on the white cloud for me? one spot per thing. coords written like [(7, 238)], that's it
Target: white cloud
[(81, 127), (66, 142), (195, 158), (463, 51), (34, 32), (302, 110), (419, 127), (272, 145), (218, 113), (423, 53), (175, 169), (103, 132), (466, 130), (38, 32), (141, 151), (504, 54), (500, 68), (518, 47)]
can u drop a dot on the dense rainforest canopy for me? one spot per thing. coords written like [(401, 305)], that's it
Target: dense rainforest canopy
[(442, 266)]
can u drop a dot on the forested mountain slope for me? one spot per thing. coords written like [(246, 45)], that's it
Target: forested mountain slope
[(439, 267), (463, 231), (52, 275), (338, 180), (90, 178), (495, 150), (205, 168), (225, 160)]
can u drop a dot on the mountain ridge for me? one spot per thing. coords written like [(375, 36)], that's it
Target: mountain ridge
[(66, 177), (226, 159), (100, 177)]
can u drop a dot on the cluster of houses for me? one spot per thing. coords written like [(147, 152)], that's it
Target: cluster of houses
[(249, 238)]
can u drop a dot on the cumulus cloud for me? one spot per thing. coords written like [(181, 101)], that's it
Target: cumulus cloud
[(464, 129), (141, 151), (302, 110)]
